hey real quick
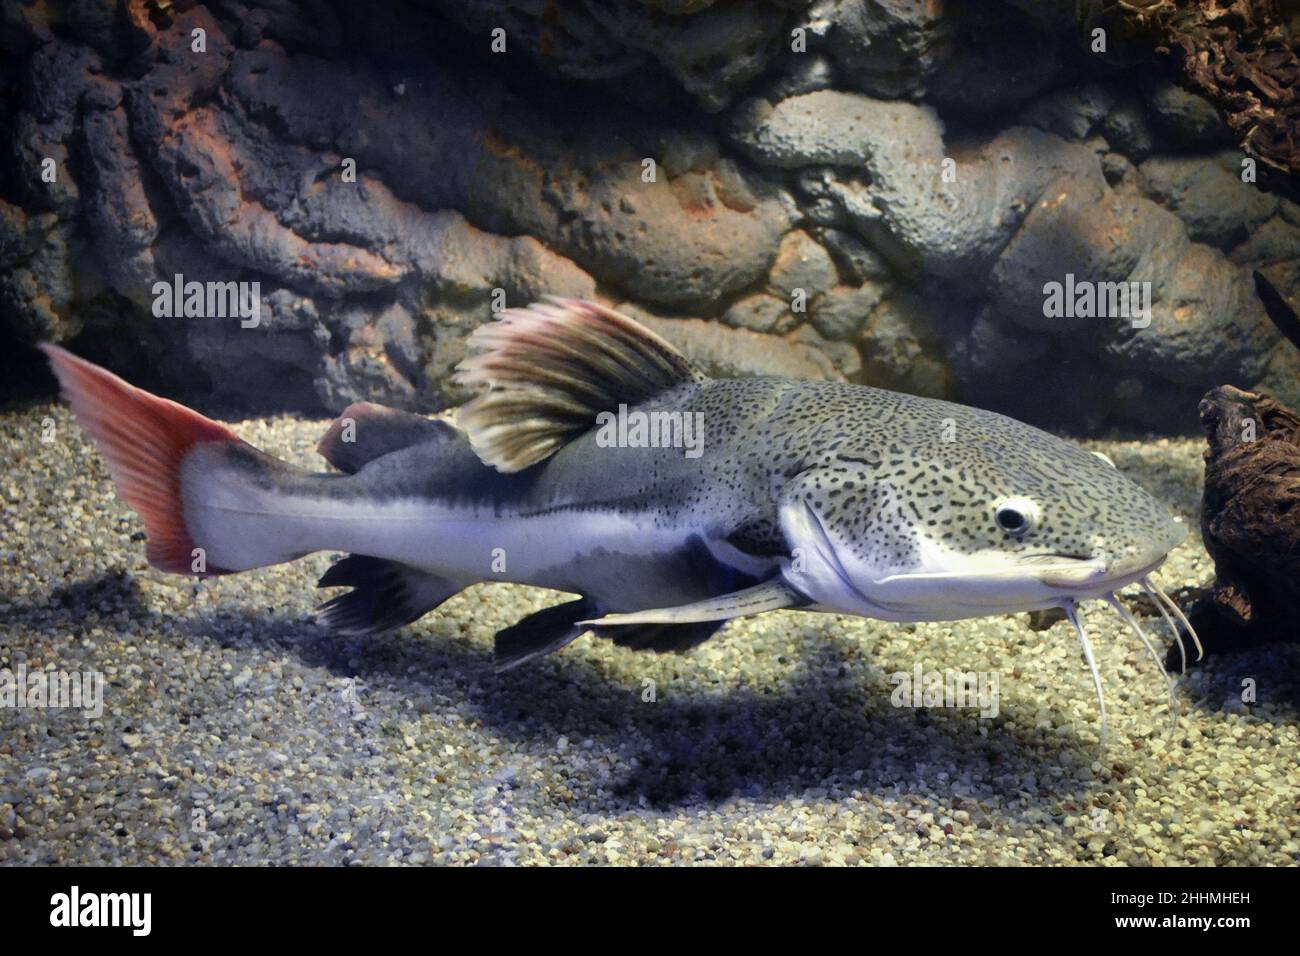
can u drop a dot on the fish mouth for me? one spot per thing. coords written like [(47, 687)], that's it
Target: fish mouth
[(1001, 583), (1062, 570), (1052, 569), (1085, 576)]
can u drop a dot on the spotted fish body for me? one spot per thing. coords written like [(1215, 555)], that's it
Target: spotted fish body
[(813, 495), (900, 484)]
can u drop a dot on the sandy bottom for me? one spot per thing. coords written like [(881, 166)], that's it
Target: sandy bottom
[(234, 729)]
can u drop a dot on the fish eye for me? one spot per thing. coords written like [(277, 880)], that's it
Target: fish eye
[(1016, 516)]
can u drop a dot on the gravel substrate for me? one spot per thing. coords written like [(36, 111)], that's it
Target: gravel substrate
[(236, 730)]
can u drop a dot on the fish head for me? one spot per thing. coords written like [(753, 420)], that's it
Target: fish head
[(1012, 519)]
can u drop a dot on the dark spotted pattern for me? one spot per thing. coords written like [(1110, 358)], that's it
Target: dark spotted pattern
[(879, 467)]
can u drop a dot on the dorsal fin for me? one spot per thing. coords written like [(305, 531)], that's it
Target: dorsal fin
[(548, 370), (365, 431)]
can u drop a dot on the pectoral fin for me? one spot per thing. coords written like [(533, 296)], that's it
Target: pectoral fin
[(768, 596)]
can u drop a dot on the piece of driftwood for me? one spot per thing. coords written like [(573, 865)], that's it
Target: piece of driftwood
[(1250, 519), (1241, 55)]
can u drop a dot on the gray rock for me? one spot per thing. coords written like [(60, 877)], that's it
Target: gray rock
[(683, 151), (840, 313), (1031, 61), (1207, 326), (1072, 113), (687, 242), (1185, 118), (59, 74), (1018, 373), (712, 51), (802, 265), (1276, 241), (801, 73), (1079, 229), (856, 261), (844, 357), (731, 353), (682, 240), (1128, 130), (900, 346), (833, 128), (475, 183), (1119, 170), (1283, 278), (121, 217), (917, 205), (37, 284), (884, 47), (906, 49), (818, 197), (994, 347), (1290, 211), (1209, 196), (1281, 377), (759, 312)]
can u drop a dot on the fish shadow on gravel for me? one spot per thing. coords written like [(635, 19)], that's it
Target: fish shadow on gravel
[(1216, 688), (826, 723), (111, 592), (828, 727)]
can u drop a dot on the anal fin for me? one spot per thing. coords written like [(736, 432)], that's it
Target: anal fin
[(385, 594), (540, 633), (552, 628)]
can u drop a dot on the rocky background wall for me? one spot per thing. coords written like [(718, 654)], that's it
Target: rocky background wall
[(874, 190)]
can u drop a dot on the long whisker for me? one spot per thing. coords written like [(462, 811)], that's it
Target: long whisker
[(1131, 621), (1071, 612), (1178, 612), (1173, 628)]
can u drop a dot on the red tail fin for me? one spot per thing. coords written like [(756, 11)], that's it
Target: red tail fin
[(145, 439)]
